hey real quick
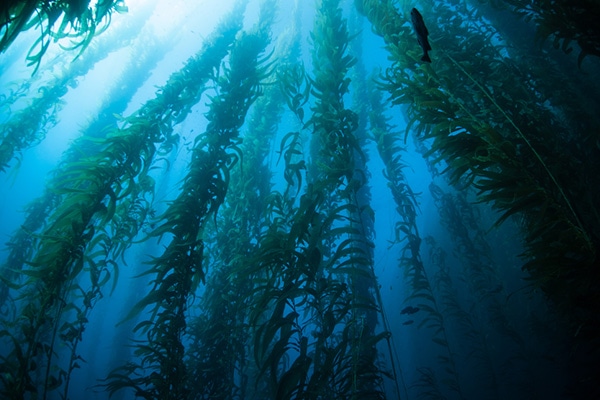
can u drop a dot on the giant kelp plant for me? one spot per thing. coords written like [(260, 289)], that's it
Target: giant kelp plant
[(494, 132), (232, 222)]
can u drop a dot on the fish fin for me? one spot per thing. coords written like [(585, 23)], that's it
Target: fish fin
[(426, 58)]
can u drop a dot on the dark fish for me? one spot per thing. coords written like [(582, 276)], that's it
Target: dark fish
[(422, 33), (409, 310), (409, 322)]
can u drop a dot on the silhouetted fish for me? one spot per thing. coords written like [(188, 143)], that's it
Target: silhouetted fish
[(422, 33), (409, 322), (409, 310)]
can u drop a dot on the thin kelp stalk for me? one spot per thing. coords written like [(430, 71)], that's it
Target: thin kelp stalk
[(219, 357), (90, 190), (366, 290), (55, 19), (407, 231), (180, 268), (478, 345), (527, 142), (370, 110), (381, 133)]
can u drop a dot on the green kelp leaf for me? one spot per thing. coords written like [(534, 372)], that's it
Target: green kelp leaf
[(293, 136), (144, 326), (153, 297), (292, 381), (10, 283), (419, 295), (108, 275)]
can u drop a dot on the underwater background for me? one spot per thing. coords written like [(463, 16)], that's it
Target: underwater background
[(278, 199)]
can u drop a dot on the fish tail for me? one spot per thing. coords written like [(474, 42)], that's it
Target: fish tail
[(426, 58)]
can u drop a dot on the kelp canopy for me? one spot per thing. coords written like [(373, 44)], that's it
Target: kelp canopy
[(273, 199), (77, 20)]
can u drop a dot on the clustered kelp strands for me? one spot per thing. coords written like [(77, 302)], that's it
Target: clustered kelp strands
[(161, 372), (134, 74), (563, 22), (219, 361), (343, 336), (28, 127), (369, 108), (62, 19), (220, 356), (367, 289), (309, 254), (284, 262), (465, 103), (406, 231), (22, 242), (572, 97), (90, 190)]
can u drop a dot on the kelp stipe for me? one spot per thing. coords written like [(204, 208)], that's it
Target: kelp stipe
[(224, 334), (179, 270), (372, 125), (338, 223)]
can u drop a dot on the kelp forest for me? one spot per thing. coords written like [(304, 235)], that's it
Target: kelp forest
[(285, 199)]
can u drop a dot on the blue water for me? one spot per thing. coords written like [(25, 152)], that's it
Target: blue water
[(479, 329)]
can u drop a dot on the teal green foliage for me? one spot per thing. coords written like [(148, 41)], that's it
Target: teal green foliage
[(78, 22), (28, 127), (180, 268), (90, 190), (473, 109), (346, 258), (566, 24), (263, 282)]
